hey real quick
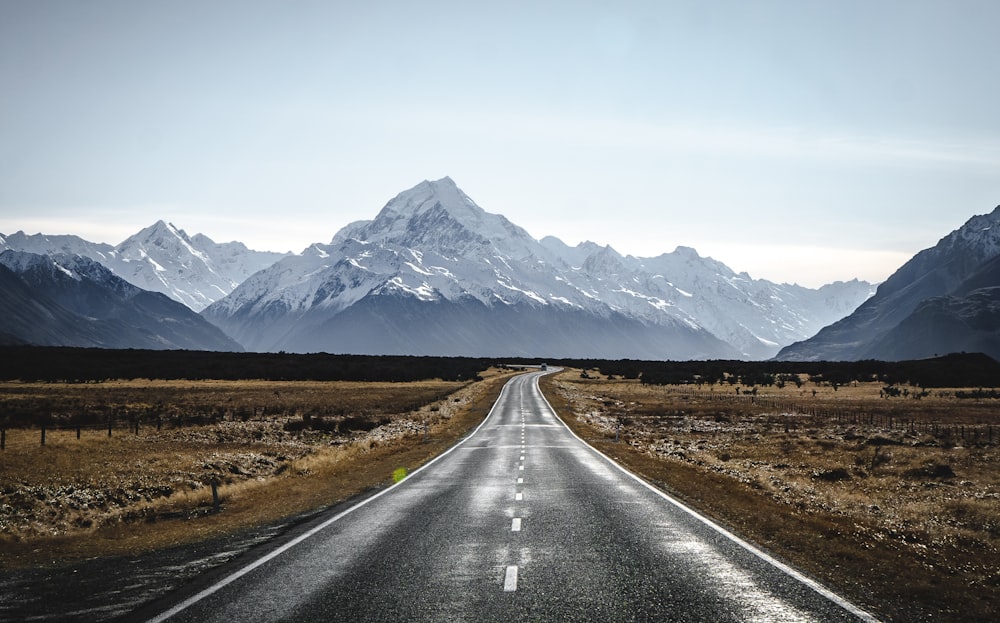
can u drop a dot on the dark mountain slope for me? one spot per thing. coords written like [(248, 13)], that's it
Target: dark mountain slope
[(966, 321), (74, 301), (393, 323), (935, 272)]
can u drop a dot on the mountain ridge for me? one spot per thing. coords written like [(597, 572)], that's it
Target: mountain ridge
[(434, 244), (161, 258), (73, 300)]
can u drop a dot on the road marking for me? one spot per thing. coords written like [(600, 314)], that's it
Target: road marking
[(520, 481), (515, 524), (518, 497), (229, 579), (522, 457), (510, 579), (520, 468)]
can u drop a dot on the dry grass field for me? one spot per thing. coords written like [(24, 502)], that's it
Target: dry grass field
[(893, 500), (273, 449)]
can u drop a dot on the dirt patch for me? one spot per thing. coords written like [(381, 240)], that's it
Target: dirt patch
[(893, 501)]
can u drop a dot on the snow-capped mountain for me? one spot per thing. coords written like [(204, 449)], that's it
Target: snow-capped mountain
[(943, 300), (72, 300), (59, 244), (434, 273), (195, 270)]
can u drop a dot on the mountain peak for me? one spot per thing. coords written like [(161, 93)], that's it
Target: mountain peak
[(438, 215), (160, 232), (427, 194), (444, 182), (682, 251)]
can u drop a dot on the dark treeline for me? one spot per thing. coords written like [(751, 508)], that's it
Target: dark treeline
[(32, 363), (956, 370)]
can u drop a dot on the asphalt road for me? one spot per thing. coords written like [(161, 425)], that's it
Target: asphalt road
[(520, 522)]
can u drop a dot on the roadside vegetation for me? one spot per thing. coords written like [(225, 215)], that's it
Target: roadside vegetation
[(890, 493)]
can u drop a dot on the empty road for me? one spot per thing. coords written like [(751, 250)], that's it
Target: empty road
[(520, 522)]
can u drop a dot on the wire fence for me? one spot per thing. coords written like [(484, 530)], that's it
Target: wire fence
[(37, 436), (777, 415)]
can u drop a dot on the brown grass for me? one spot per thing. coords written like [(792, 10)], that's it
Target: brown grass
[(881, 498), (131, 493)]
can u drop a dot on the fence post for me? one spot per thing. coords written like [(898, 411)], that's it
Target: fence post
[(3, 438), (215, 495), (109, 427), (77, 431), (43, 435)]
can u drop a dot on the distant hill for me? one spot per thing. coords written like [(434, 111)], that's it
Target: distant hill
[(943, 300), (71, 300)]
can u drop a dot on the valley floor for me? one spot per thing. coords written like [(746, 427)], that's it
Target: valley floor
[(891, 501)]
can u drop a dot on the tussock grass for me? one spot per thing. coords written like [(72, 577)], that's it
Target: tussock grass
[(882, 498)]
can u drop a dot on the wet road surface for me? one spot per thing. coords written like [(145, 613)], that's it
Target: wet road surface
[(520, 522)]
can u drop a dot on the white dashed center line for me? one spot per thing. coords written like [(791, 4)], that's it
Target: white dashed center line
[(510, 579), (518, 497), (515, 524)]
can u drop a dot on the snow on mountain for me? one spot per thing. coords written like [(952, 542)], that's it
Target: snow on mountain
[(756, 316), (50, 245), (195, 271), (162, 258), (503, 292)]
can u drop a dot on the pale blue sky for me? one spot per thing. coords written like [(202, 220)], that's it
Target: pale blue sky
[(799, 141)]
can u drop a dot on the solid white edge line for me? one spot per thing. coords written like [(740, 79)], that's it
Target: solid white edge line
[(229, 579), (510, 579), (798, 575)]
